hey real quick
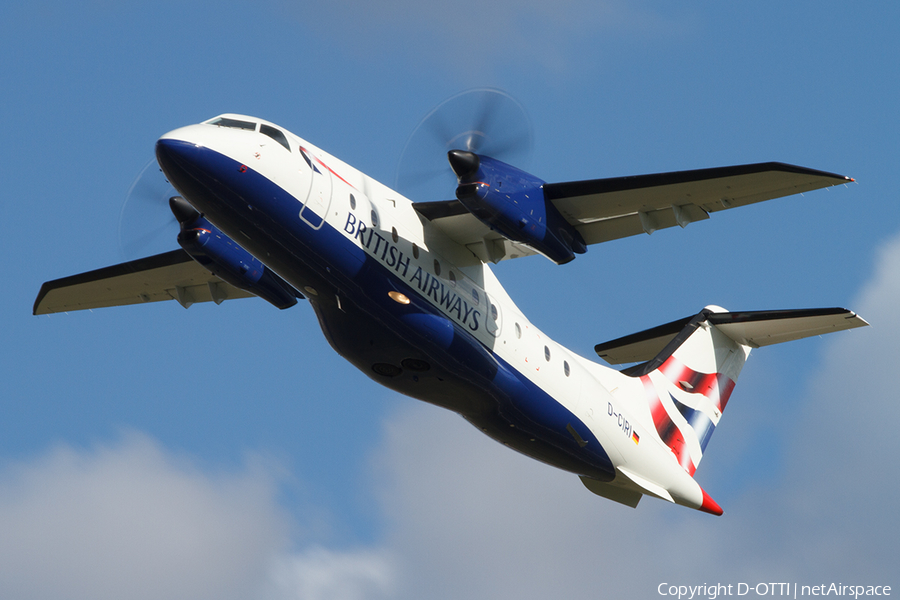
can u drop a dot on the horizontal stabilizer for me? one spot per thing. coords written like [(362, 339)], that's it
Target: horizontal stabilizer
[(169, 276), (749, 328), (766, 327), (641, 346)]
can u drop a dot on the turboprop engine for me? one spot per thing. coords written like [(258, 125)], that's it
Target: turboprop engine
[(218, 253), (512, 202)]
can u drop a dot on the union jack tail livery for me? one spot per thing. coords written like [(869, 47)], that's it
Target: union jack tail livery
[(690, 387), (687, 383)]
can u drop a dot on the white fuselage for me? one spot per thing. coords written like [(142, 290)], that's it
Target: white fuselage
[(335, 204)]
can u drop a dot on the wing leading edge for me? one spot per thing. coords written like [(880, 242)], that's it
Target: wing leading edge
[(169, 276), (608, 209)]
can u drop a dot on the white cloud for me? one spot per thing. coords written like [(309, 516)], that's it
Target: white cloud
[(469, 518), (318, 573), (466, 517), (843, 474), (131, 521)]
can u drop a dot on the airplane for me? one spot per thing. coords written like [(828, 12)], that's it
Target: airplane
[(404, 291)]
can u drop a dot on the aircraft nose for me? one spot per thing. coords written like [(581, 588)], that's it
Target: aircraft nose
[(188, 167), (203, 175), (175, 157)]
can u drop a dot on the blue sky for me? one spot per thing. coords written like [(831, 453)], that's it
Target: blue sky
[(226, 451)]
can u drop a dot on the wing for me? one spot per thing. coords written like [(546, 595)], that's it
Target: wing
[(170, 276), (608, 209)]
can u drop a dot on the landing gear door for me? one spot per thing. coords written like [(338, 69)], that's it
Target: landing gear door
[(319, 199)]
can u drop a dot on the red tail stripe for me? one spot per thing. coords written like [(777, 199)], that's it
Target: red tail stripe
[(668, 431), (715, 386)]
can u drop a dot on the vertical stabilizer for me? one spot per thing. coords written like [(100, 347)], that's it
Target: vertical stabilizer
[(692, 365), (688, 385)]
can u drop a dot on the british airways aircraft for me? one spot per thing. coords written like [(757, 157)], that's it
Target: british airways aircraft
[(403, 290)]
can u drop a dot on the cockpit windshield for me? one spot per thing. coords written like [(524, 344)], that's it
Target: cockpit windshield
[(275, 134), (233, 123)]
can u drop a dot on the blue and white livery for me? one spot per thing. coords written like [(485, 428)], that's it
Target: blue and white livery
[(404, 291)]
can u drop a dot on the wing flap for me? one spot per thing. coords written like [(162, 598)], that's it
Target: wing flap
[(613, 228), (169, 276)]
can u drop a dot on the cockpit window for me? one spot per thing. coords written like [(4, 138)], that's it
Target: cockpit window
[(275, 134), (233, 123)]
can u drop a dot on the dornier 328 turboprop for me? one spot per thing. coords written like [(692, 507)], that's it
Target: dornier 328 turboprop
[(403, 290)]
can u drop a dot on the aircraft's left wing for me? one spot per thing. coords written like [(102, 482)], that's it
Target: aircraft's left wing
[(169, 276), (608, 209)]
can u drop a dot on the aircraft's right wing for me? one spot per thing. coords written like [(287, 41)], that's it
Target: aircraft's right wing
[(169, 276)]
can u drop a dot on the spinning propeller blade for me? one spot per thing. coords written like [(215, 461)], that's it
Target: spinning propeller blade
[(483, 121), (146, 225)]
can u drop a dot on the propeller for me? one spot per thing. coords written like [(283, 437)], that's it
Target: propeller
[(146, 224), (183, 211), (464, 163), (482, 121)]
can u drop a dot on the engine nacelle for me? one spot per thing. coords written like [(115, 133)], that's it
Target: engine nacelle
[(512, 202), (227, 260)]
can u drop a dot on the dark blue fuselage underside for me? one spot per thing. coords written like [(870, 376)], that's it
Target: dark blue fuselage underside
[(412, 348)]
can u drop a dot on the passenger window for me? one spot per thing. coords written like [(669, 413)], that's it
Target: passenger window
[(566, 368), (437, 267), (275, 134), (547, 353)]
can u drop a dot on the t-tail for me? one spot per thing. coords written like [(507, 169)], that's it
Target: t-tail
[(692, 365)]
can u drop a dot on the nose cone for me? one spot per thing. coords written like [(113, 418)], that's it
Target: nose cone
[(177, 159), (208, 179), (194, 170)]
